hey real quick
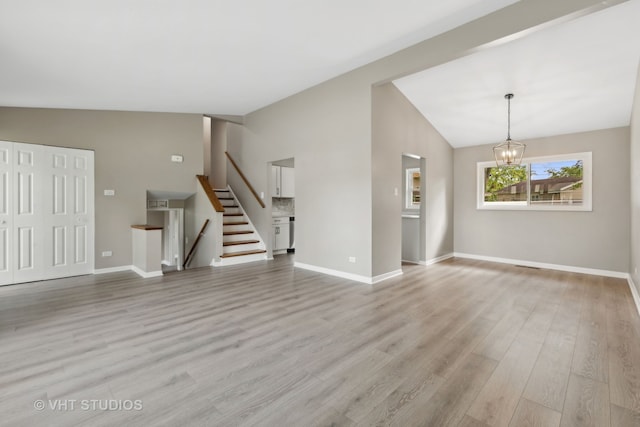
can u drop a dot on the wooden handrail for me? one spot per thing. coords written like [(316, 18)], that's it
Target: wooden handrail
[(244, 178), (195, 243), (210, 193)]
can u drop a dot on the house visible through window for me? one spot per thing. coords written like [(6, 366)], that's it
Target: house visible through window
[(543, 183)]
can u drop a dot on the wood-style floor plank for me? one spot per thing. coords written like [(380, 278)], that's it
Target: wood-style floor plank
[(459, 343), (587, 403), (532, 414)]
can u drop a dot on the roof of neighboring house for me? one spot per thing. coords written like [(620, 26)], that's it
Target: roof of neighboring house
[(547, 185)]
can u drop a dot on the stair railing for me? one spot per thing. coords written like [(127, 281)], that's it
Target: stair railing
[(215, 202), (244, 178)]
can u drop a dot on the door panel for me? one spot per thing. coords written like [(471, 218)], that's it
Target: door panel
[(71, 209), (59, 246), (27, 214), (57, 220), (81, 247), (6, 223), (25, 249), (82, 219)]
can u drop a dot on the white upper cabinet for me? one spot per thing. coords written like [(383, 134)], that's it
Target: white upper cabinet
[(282, 181), (287, 178)]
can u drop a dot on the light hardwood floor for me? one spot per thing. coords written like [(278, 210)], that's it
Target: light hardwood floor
[(460, 343)]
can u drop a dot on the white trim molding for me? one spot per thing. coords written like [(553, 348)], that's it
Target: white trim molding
[(146, 274), (437, 259), (568, 268), (634, 292), (112, 269), (349, 276), (385, 276)]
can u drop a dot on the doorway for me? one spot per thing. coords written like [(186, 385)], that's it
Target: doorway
[(413, 209), (165, 209), (282, 190)]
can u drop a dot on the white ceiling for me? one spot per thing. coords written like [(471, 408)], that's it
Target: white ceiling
[(573, 77), (201, 56)]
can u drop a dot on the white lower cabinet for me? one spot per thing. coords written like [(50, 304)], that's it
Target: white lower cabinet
[(280, 234)]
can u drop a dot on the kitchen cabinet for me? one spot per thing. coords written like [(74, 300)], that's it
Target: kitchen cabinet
[(282, 181), (280, 234), (287, 178)]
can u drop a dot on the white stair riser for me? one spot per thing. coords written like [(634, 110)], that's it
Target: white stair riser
[(232, 210), (242, 227), (241, 259), (228, 202), (240, 248), (239, 237)]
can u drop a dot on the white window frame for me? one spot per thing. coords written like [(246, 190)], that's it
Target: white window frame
[(587, 187)]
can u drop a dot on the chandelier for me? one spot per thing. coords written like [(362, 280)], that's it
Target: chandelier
[(509, 152)]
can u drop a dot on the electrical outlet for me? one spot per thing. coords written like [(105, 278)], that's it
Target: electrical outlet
[(352, 259), (107, 253)]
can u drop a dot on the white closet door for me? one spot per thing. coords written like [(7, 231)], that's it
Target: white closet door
[(6, 223), (57, 218), (81, 188), (28, 214), (68, 206), (46, 212)]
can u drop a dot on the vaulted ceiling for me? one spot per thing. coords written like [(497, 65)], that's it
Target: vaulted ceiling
[(575, 76), (201, 56)]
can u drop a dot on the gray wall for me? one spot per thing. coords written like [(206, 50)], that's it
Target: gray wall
[(634, 264), (597, 239), (399, 128), (132, 155), (328, 129), (218, 176)]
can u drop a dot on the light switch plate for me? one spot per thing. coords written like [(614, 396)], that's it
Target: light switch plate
[(177, 158), (109, 192)]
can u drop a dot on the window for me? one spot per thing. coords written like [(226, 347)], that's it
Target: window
[(560, 182), (413, 188)]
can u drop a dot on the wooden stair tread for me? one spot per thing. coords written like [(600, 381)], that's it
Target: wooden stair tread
[(220, 191), (257, 251), (226, 198), (231, 233), (241, 242), (233, 214), (235, 223)]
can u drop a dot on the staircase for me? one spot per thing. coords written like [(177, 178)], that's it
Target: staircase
[(240, 241)]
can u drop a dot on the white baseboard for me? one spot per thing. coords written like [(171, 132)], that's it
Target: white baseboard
[(437, 259), (634, 293), (112, 269), (349, 276), (146, 274), (568, 268), (385, 276)]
